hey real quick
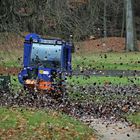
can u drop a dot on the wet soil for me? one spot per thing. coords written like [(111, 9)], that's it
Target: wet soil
[(9, 70), (109, 44), (118, 73), (122, 73)]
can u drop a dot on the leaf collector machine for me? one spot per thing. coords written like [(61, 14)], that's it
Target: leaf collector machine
[(46, 63)]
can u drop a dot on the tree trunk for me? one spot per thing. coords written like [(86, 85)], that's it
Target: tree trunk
[(123, 20), (130, 31), (105, 26)]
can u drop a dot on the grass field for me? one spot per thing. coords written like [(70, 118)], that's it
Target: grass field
[(10, 58), (20, 123), (109, 61), (92, 80), (103, 80), (134, 118), (25, 122)]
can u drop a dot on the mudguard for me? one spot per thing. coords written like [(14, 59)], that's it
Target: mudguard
[(22, 75)]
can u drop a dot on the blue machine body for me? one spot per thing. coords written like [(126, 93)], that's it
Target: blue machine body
[(42, 57)]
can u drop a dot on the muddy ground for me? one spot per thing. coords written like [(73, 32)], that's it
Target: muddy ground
[(9, 70), (122, 73)]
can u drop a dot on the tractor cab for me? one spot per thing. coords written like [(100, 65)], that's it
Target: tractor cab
[(46, 62)]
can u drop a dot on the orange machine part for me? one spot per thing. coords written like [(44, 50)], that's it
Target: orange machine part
[(40, 85), (30, 83), (43, 85)]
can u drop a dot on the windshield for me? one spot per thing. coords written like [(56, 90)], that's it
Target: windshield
[(46, 55)]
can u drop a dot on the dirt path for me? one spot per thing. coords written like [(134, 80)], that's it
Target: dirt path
[(15, 71), (124, 73), (107, 130), (9, 70)]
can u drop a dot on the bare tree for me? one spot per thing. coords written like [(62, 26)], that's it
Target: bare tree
[(105, 20), (130, 29), (82, 18)]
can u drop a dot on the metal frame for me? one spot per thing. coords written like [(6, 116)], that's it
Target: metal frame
[(35, 38)]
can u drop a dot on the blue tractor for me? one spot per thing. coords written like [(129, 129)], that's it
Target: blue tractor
[(46, 62)]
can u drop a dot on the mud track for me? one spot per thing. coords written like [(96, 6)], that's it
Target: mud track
[(125, 73), (119, 73), (9, 70)]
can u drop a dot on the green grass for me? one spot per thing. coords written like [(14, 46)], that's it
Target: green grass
[(97, 80), (109, 61), (10, 58), (134, 118), (15, 85), (92, 80), (77, 83), (36, 124), (14, 81), (84, 81), (96, 97), (83, 94)]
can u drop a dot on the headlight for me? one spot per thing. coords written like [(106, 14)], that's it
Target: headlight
[(46, 72)]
